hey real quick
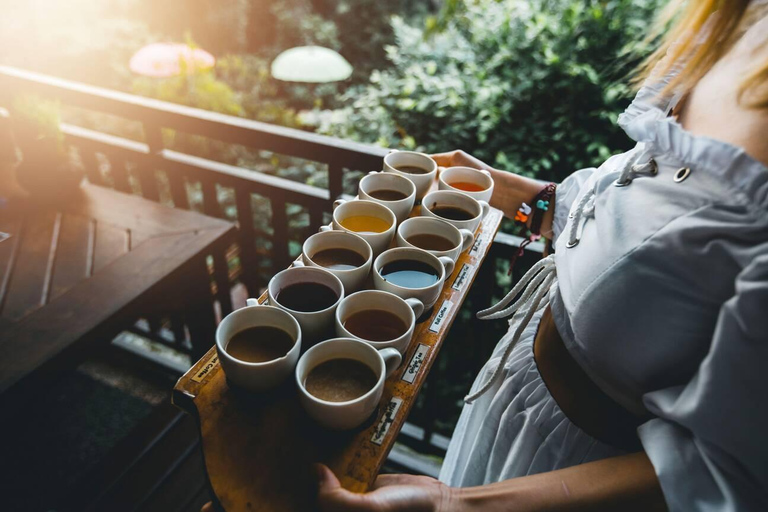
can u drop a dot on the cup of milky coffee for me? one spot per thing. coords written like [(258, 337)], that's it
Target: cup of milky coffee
[(417, 167), (379, 318), (372, 221), (473, 182), (409, 272), (456, 208), (258, 346), (392, 190), (344, 254), (341, 381), (310, 295), (435, 236)]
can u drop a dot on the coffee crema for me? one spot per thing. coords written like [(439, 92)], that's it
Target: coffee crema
[(260, 344), (307, 297), (430, 242), (467, 186), (338, 259), (411, 169), (387, 195), (409, 273), (365, 224), (375, 325), (340, 380), (451, 212)]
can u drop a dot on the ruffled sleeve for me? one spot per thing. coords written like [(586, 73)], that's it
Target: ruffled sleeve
[(567, 192), (706, 443)]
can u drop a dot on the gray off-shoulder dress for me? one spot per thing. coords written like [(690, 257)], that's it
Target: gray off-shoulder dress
[(659, 289)]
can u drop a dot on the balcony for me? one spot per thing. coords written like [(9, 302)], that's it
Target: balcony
[(159, 462)]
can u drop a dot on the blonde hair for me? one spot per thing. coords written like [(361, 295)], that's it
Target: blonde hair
[(699, 50)]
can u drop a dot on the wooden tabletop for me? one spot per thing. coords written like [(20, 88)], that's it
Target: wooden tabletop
[(259, 449), (77, 271)]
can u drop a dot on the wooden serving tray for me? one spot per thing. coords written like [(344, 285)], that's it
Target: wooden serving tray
[(259, 448)]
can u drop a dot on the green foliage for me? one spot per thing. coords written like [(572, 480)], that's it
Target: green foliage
[(35, 118), (530, 86)]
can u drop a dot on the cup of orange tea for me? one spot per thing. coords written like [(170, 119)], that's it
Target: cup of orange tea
[(373, 222), (472, 182)]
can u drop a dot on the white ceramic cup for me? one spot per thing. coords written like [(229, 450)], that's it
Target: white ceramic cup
[(257, 376), (428, 295), (375, 181), (478, 209), (478, 177), (407, 310), (350, 414), (353, 279), (397, 159), (314, 324), (462, 239), (378, 241)]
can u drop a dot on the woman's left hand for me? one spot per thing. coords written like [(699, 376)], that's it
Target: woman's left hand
[(390, 493)]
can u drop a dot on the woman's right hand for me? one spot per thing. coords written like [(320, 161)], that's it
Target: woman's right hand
[(461, 158)]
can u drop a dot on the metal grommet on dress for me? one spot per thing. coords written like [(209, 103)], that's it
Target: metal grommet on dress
[(654, 167), (572, 243), (681, 174), (622, 183)]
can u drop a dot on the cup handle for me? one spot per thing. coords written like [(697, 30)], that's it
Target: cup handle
[(487, 173), (448, 263), (467, 239), (338, 203), (252, 302), (486, 208), (325, 228), (392, 359), (416, 305)]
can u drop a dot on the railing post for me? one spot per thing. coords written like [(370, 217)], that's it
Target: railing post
[(280, 254), (335, 181), (119, 174), (91, 164), (147, 176), (247, 252)]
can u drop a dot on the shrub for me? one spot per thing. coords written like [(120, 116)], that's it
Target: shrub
[(530, 86)]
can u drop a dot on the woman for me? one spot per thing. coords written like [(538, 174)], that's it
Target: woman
[(644, 387)]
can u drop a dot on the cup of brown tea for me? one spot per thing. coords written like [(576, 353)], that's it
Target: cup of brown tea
[(435, 236), (372, 221), (310, 295), (258, 346), (475, 183), (409, 272), (392, 190), (456, 208), (344, 254), (341, 381), (379, 318), (417, 167)]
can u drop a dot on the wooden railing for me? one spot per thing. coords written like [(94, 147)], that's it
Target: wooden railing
[(124, 163)]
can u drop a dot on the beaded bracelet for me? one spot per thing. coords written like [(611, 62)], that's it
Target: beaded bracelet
[(536, 216)]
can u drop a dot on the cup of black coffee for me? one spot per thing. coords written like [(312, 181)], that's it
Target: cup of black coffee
[(310, 295), (409, 272), (455, 208), (341, 381), (379, 318), (258, 346), (344, 254)]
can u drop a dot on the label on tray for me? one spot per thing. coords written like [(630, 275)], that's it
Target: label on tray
[(462, 277), (204, 370), (387, 417), (479, 242), (412, 370), (440, 316)]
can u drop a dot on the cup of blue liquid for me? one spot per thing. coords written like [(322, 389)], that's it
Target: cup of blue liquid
[(412, 273)]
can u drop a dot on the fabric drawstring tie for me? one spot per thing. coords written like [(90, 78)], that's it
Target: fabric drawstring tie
[(536, 282)]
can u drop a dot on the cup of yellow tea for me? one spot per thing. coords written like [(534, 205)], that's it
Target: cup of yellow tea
[(258, 346), (472, 182), (373, 222)]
